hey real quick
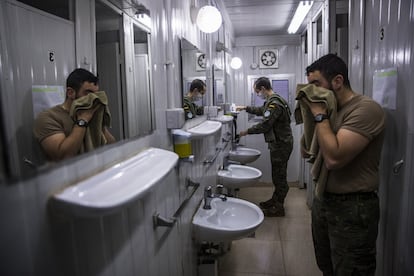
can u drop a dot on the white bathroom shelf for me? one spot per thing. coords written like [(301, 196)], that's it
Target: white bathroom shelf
[(113, 188)]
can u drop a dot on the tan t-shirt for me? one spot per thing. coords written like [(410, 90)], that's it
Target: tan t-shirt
[(366, 117), (52, 121)]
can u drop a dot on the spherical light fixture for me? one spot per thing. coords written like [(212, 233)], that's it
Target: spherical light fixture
[(236, 63), (209, 19)]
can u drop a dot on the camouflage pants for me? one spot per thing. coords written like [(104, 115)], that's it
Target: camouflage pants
[(279, 157), (344, 231)]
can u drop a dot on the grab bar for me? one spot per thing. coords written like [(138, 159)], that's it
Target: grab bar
[(209, 161), (159, 220)]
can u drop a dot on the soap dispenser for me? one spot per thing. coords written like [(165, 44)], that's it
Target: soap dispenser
[(182, 143)]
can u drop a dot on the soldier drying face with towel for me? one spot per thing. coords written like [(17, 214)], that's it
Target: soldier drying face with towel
[(62, 130), (278, 135)]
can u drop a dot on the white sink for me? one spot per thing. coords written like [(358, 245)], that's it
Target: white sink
[(244, 155), (226, 220), (223, 118), (122, 183), (205, 128), (238, 176)]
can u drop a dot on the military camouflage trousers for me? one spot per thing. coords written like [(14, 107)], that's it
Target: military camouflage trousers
[(344, 231), (279, 157)]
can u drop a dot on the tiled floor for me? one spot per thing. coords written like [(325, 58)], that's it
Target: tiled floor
[(281, 246)]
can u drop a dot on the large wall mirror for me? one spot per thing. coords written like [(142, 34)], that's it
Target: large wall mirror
[(40, 68), (193, 63)]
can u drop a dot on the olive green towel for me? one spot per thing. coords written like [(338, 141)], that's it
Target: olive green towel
[(308, 141), (94, 136)]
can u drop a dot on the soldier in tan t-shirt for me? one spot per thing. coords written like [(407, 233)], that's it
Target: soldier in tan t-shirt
[(345, 217), (59, 135)]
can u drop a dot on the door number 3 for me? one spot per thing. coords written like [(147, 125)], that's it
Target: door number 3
[(51, 56)]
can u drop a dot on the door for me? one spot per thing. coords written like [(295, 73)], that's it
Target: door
[(109, 72), (39, 50)]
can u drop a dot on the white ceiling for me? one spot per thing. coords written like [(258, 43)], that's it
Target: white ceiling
[(263, 17)]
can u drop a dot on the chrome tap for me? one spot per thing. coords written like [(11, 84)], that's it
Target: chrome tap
[(235, 142), (227, 162), (209, 195)]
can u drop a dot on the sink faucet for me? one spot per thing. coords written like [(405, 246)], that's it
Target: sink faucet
[(235, 142), (209, 195), (227, 162)]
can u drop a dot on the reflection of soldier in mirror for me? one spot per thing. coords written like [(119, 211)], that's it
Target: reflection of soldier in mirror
[(79, 124), (196, 92)]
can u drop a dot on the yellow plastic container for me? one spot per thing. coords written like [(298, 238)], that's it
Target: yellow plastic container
[(182, 143)]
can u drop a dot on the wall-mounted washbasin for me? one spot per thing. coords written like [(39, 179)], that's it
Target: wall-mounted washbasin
[(226, 220), (244, 155), (110, 189), (238, 176), (205, 128), (223, 119)]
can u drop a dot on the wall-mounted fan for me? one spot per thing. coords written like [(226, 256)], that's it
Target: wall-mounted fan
[(201, 62), (268, 58)]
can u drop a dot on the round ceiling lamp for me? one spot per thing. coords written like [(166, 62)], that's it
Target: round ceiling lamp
[(236, 63), (209, 19)]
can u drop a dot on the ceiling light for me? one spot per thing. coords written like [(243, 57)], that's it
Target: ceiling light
[(209, 19), (300, 14), (236, 63)]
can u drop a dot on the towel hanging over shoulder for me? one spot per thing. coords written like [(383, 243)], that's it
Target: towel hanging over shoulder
[(94, 136), (309, 140)]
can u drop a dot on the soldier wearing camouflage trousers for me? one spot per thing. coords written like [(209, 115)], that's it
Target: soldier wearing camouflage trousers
[(278, 135)]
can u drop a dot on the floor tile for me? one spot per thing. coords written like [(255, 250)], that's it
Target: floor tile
[(253, 256), (268, 230), (299, 258)]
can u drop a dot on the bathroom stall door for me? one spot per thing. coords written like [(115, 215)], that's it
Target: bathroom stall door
[(109, 51), (142, 94), (388, 48), (109, 72), (38, 49)]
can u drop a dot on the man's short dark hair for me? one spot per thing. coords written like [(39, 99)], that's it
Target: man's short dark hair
[(197, 83), (263, 81), (330, 66), (78, 77)]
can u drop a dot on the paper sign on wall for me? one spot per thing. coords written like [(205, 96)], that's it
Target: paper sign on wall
[(46, 96), (385, 87)]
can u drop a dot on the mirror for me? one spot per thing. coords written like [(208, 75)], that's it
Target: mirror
[(219, 88), (40, 69), (193, 66), (129, 90), (220, 75)]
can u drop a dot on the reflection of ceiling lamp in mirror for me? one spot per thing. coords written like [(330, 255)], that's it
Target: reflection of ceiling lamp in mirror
[(300, 14), (209, 19), (236, 63)]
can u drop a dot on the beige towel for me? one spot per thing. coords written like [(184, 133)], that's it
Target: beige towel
[(94, 136), (309, 142)]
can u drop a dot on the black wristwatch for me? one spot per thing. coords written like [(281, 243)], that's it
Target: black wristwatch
[(81, 123), (320, 117)]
